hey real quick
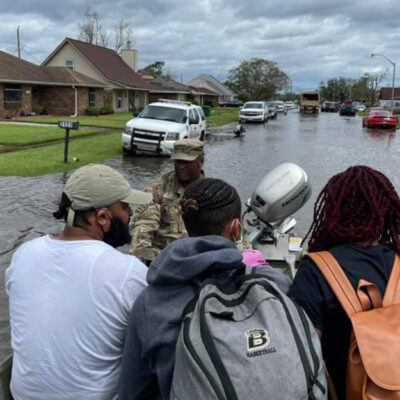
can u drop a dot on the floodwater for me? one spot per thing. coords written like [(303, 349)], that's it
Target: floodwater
[(322, 144)]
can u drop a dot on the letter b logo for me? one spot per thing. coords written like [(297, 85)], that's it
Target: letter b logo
[(257, 339)]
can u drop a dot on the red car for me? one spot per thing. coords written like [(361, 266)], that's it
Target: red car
[(380, 118)]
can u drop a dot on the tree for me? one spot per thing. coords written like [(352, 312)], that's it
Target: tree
[(123, 35), (336, 89), (257, 79), (362, 89), (373, 82), (157, 68), (92, 31)]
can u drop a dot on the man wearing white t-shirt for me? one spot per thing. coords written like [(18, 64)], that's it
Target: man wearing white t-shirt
[(70, 295)]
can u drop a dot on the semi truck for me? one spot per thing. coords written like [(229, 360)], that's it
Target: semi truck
[(309, 102)]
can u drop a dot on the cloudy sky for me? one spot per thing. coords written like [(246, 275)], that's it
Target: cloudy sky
[(311, 40)]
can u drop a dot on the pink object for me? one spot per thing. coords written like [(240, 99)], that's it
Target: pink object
[(253, 258)]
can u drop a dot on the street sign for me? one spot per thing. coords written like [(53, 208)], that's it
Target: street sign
[(67, 125)]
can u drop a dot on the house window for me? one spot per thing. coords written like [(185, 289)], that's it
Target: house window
[(92, 97), (69, 64), (12, 94)]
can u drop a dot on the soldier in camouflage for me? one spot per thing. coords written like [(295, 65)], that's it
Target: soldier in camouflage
[(159, 223)]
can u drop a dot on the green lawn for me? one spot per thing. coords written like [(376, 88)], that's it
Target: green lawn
[(49, 159), (117, 120), (223, 115), (23, 135), (219, 116)]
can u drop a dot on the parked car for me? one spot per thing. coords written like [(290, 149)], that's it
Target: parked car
[(272, 110), (347, 109), (329, 106), (380, 118), (280, 106), (160, 124), (232, 103), (289, 105), (359, 106), (254, 111)]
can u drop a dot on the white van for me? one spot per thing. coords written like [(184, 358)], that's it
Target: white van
[(156, 128)]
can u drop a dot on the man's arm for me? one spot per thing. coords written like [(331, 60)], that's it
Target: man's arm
[(146, 220), (137, 382)]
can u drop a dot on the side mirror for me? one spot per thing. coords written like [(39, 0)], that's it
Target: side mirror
[(136, 113)]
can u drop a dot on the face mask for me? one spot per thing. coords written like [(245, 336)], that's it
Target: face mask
[(119, 233)]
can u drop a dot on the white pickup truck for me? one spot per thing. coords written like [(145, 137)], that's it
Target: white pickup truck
[(156, 128)]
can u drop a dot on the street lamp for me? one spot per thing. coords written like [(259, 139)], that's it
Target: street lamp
[(394, 71)]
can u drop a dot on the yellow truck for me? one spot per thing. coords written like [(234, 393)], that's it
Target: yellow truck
[(309, 102)]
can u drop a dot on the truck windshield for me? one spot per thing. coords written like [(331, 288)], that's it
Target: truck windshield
[(310, 96), (164, 114), (253, 105)]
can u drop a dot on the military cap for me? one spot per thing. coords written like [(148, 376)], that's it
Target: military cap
[(187, 149)]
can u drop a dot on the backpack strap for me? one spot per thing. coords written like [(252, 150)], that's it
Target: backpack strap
[(369, 295), (337, 280), (392, 293)]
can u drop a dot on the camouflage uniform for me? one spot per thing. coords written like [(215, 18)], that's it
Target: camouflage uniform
[(159, 223)]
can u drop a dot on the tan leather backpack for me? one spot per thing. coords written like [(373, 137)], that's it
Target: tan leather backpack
[(373, 364)]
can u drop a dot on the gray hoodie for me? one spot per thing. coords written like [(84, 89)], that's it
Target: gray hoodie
[(156, 316)]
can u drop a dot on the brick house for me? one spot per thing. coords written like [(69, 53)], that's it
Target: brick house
[(118, 74), (166, 88), (209, 82), (204, 96), (28, 88), (385, 99)]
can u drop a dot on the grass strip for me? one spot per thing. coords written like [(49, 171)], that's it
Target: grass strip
[(22, 135), (49, 159), (219, 116), (117, 120), (224, 115)]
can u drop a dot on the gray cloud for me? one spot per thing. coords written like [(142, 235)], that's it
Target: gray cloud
[(311, 40)]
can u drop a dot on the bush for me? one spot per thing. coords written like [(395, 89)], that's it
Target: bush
[(211, 103), (92, 111), (106, 110)]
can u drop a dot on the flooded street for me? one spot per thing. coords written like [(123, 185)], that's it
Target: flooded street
[(323, 145)]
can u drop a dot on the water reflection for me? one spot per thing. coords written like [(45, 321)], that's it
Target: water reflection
[(389, 134)]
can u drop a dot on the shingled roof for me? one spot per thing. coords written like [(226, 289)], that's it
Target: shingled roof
[(14, 69), (161, 84), (203, 90), (109, 64)]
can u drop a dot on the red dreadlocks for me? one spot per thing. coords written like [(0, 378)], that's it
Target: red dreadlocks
[(359, 205)]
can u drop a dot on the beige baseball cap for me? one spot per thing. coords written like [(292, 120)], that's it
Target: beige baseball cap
[(187, 149), (95, 186)]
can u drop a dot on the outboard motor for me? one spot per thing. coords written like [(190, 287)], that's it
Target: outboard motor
[(282, 192)]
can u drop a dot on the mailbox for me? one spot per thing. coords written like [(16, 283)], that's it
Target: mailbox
[(68, 125)]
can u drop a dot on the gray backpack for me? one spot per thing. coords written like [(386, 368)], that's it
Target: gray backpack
[(250, 343)]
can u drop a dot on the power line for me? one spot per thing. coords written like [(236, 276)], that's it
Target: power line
[(30, 47)]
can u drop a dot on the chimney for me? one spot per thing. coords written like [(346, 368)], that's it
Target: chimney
[(130, 57)]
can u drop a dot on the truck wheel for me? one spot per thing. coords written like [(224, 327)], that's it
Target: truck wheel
[(202, 136), (128, 152)]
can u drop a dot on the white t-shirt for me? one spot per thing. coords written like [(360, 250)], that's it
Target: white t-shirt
[(69, 308)]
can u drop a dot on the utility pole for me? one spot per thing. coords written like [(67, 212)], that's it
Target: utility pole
[(18, 43)]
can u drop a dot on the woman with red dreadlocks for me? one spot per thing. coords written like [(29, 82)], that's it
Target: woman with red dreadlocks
[(356, 218)]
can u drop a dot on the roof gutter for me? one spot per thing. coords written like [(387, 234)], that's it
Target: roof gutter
[(51, 83)]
